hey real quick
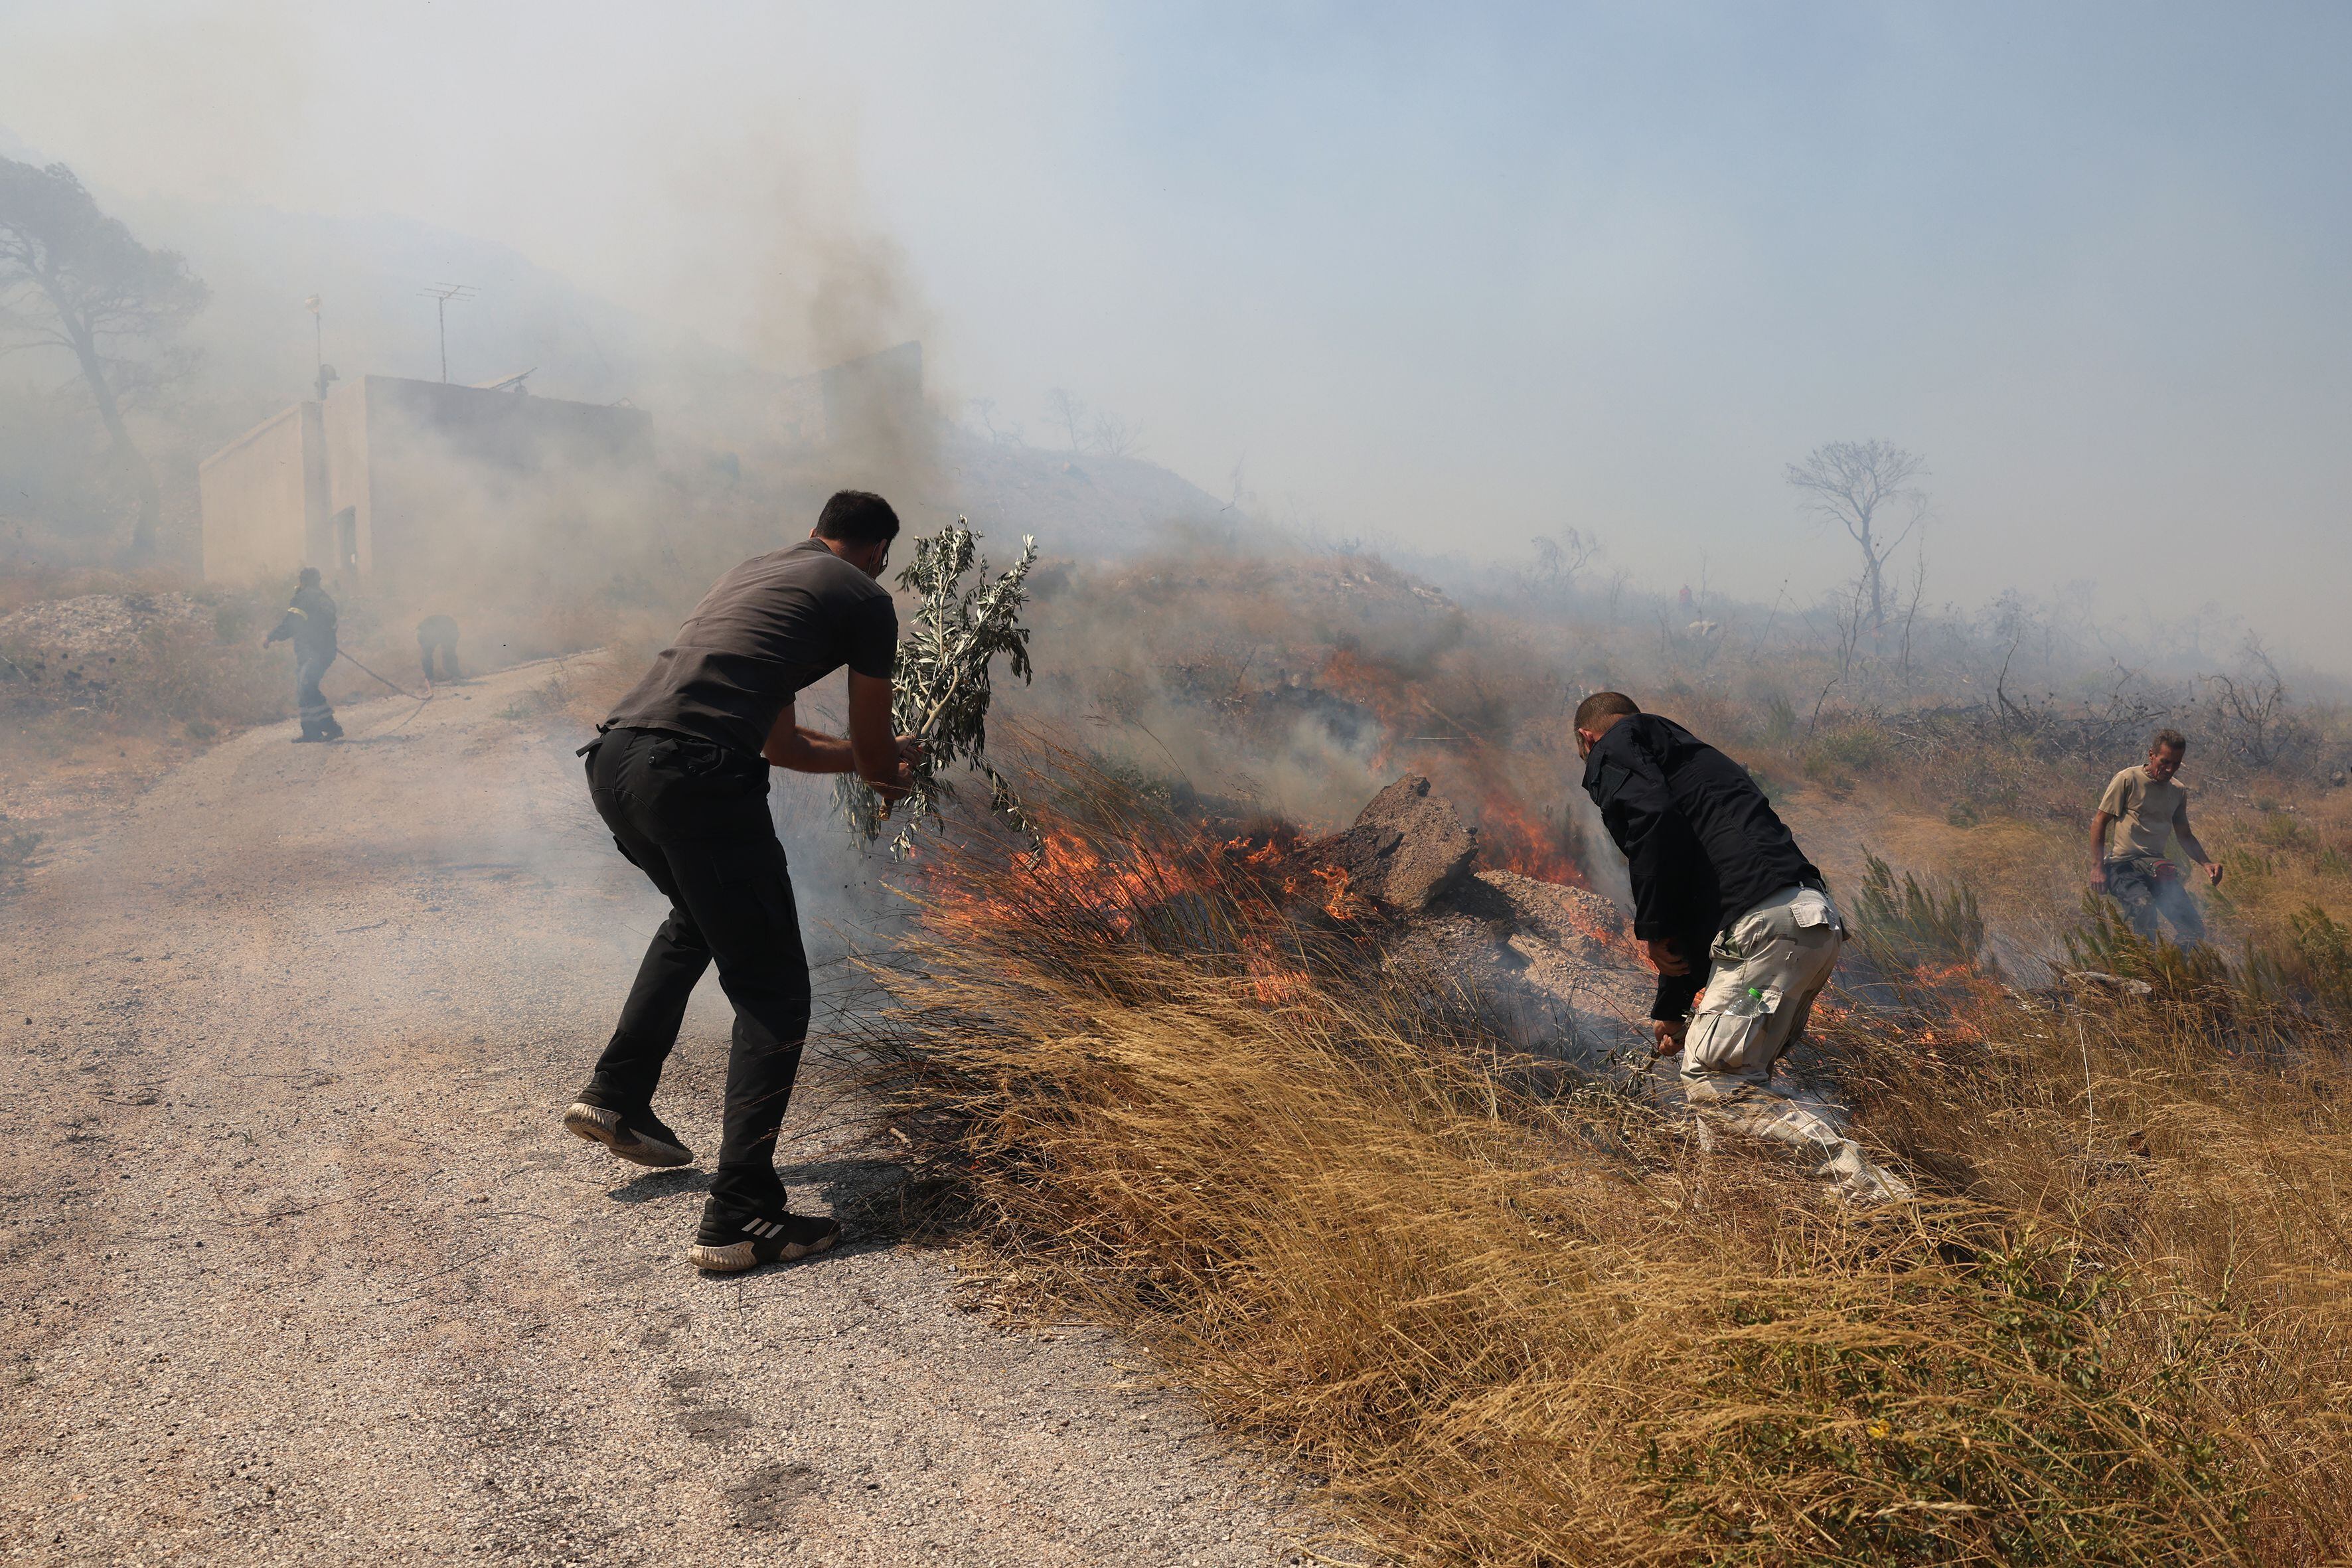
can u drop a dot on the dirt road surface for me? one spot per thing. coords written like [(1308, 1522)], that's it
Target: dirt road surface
[(296, 1265)]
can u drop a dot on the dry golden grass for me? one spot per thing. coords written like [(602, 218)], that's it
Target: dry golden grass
[(1505, 1324)]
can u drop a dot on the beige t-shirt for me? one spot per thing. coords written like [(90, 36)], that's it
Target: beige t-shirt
[(2146, 815)]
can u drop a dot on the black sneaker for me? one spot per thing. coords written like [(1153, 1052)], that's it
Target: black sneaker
[(636, 1136), (729, 1242)]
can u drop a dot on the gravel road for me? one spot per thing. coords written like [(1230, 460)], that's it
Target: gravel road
[(296, 1265)]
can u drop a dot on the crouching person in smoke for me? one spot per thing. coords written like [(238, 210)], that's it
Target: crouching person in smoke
[(310, 622), (680, 774), (438, 636), (1734, 918)]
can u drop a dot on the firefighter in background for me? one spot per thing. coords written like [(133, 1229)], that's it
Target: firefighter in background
[(310, 622), (437, 634), (1735, 920)]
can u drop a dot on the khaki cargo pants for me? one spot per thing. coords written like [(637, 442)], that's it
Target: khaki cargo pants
[(1768, 967)]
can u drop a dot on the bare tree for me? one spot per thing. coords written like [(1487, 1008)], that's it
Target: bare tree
[(73, 279), (1560, 560), (1069, 411), (1116, 436), (984, 409), (2255, 718), (1911, 611), (1234, 501), (1864, 487), (1850, 622)]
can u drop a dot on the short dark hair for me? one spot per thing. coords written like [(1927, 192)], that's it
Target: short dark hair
[(2172, 738), (1601, 705), (310, 575), (857, 517)]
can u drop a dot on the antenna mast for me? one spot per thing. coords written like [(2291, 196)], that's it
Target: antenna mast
[(441, 294)]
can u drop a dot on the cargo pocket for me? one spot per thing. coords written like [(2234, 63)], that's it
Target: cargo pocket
[(1732, 1038), (1812, 909), (750, 884)]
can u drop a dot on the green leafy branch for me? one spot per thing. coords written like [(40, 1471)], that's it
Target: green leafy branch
[(942, 685)]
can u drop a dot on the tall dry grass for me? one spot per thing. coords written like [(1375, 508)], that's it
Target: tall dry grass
[(1506, 1320)]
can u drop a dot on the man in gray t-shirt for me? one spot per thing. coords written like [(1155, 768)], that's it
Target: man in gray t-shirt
[(680, 774), (2147, 808)]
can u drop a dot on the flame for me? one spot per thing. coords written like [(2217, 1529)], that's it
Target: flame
[(1514, 838), (1340, 901), (1112, 887)]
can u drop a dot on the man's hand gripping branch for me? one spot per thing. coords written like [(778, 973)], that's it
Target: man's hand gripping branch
[(886, 762)]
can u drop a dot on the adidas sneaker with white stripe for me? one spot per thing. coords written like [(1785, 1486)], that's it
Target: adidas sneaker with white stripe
[(728, 1242)]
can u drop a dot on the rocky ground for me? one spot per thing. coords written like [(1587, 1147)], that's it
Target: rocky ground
[(296, 1263), (1554, 969)]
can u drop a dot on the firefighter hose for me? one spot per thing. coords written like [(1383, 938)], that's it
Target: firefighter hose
[(371, 674)]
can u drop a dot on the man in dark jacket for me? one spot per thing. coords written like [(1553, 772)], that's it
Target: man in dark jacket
[(1733, 917), (309, 621), (680, 774)]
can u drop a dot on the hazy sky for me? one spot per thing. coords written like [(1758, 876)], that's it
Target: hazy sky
[(1450, 275)]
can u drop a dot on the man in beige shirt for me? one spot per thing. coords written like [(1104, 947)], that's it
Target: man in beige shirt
[(2148, 808)]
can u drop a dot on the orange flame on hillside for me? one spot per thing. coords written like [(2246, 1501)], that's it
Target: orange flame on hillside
[(1513, 838), (1239, 896)]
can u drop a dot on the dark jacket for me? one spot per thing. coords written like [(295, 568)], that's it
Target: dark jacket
[(310, 620), (1701, 843)]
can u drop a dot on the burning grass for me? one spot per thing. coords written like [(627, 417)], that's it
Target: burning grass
[(1503, 1323)]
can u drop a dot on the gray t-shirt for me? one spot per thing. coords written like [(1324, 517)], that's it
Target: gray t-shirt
[(774, 624), (2147, 812)]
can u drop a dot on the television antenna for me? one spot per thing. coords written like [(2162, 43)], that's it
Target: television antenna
[(326, 373), (441, 294)]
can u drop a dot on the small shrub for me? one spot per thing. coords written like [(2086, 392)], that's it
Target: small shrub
[(2245, 866), (2242, 1004), (1838, 758), (2322, 955), (553, 695), (2281, 831), (1919, 923)]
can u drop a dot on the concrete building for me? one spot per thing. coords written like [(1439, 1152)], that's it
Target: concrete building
[(392, 482), (263, 497)]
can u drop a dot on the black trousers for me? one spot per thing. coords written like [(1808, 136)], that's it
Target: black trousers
[(310, 667), (693, 817)]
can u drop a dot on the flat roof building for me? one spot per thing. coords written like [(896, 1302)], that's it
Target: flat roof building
[(392, 481)]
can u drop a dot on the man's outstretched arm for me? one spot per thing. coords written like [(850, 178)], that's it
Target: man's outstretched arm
[(804, 750), (886, 765), (2180, 830)]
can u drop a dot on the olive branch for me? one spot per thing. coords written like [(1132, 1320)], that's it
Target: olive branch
[(940, 686)]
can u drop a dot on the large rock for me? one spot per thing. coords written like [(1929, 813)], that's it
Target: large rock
[(1575, 920), (1552, 969), (1407, 848)]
